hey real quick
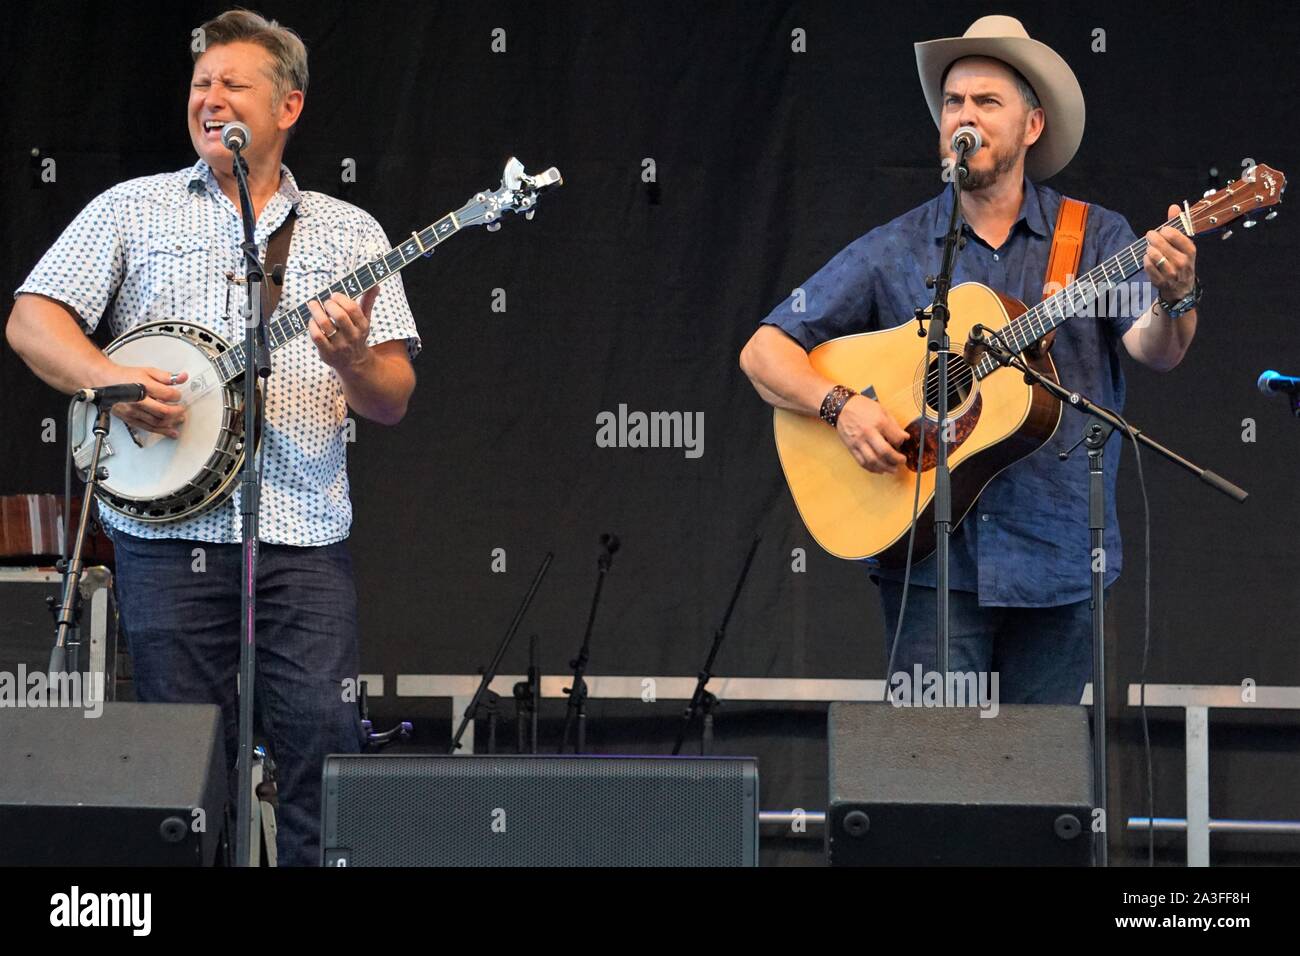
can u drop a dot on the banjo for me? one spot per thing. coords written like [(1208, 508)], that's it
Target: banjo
[(159, 479)]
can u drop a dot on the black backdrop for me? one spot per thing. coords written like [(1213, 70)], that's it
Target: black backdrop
[(767, 162)]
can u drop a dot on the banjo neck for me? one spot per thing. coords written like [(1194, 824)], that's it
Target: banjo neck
[(517, 193), (289, 325), (159, 479)]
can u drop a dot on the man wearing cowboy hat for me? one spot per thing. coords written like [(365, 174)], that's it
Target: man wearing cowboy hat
[(1019, 575)]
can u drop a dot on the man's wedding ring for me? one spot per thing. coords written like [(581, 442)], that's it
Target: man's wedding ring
[(1161, 261)]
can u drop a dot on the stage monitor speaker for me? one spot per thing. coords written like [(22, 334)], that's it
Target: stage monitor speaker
[(917, 786), (139, 785), (478, 810)]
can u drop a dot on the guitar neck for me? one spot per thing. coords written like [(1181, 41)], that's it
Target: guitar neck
[(1074, 298), (289, 325)]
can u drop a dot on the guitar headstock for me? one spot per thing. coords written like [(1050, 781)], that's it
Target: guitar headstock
[(1259, 188), (517, 193)]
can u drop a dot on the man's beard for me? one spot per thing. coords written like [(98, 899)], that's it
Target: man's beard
[(982, 179)]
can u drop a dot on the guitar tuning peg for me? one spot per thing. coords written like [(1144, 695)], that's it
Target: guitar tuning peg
[(530, 214), (493, 226), (1249, 224), (1208, 193), (1227, 234), (1272, 214)]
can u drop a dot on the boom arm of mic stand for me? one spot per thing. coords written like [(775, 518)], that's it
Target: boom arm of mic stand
[(1006, 357), (578, 692), (490, 672), (701, 697)]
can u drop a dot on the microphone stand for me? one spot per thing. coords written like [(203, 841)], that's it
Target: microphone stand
[(938, 346), (577, 706), (257, 360), (490, 672), (69, 610), (1095, 435), (703, 699), (528, 700)]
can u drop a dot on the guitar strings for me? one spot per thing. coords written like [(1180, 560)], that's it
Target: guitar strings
[(964, 376)]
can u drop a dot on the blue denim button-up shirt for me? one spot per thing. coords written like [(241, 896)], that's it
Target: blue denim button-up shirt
[(1025, 542)]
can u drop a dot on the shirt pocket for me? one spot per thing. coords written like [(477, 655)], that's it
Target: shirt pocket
[(179, 278), (306, 275)]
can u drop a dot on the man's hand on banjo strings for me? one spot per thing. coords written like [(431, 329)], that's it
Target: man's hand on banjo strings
[(160, 411)]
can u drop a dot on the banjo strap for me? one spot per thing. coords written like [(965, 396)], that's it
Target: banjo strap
[(277, 254)]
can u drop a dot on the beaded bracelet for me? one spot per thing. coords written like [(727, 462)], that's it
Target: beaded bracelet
[(834, 403)]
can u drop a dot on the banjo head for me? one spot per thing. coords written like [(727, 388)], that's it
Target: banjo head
[(156, 478)]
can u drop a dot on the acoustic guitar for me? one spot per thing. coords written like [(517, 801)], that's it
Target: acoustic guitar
[(995, 418)]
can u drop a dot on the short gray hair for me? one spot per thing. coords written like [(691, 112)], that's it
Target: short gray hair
[(1026, 91), (288, 53)]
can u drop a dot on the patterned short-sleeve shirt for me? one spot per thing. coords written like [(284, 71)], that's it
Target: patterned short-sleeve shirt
[(161, 247)]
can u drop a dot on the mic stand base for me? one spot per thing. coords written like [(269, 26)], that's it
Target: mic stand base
[(576, 717)]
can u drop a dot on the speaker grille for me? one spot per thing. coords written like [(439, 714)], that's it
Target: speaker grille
[(540, 811)]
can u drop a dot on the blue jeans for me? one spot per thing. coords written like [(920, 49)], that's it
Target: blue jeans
[(180, 613), (1042, 655)]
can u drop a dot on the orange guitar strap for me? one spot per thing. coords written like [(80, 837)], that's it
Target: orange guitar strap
[(1067, 245)]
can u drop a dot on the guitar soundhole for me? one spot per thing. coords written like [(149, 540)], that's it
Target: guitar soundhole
[(961, 380)]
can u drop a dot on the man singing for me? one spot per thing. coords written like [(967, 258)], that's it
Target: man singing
[(160, 247), (1019, 571)]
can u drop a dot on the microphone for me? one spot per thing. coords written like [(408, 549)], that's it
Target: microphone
[(609, 542), (111, 394), (235, 136), (1271, 382), (967, 137)]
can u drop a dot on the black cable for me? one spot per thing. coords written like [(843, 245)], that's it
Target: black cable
[(67, 487), (911, 538), (1146, 645)]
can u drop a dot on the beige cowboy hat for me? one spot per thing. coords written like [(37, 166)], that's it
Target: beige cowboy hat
[(1005, 39)]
